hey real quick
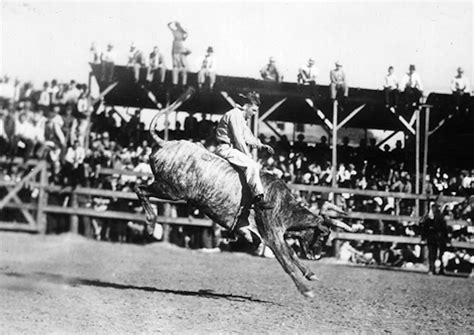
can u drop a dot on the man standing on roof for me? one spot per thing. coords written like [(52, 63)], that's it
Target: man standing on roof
[(234, 138), (270, 72), (390, 86), (461, 90), (179, 52)]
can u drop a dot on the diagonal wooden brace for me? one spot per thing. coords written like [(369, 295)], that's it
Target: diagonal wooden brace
[(21, 184)]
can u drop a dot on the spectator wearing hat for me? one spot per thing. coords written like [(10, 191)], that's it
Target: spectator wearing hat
[(412, 87), (461, 90), (338, 82), (136, 60), (390, 87), (270, 72), (107, 60), (157, 66), (307, 75), (208, 69), (179, 52)]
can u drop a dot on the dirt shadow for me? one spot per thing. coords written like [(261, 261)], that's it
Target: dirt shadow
[(76, 281)]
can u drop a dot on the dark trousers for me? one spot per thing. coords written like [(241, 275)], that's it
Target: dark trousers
[(391, 97), (435, 251), (461, 101), (107, 71), (412, 96)]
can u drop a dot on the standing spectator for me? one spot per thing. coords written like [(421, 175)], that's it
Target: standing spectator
[(44, 100), (338, 82), (179, 52), (136, 60), (270, 72), (307, 75), (83, 112), (208, 69), (191, 127), (94, 54), (461, 90), (107, 60), (73, 169), (71, 96), (412, 87), (157, 66), (53, 93), (435, 231), (390, 87)]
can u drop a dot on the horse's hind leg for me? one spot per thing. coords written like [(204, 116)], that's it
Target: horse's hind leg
[(308, 274), (151, 217), (274, 239)]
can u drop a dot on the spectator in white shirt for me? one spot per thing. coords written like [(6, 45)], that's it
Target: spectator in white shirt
[(24, 136), (71, 96), (307, 75), (73, 169), (461, 90), (94, 54), (53, 92), (136, 60), (412, 87), (107, 60), (157, 66), (208, 69), (390, 87), (44, 100)]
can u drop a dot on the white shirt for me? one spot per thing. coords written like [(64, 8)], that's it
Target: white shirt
[(75, 156), (411, 80), (208, 63), (108, 56), (311, 73), (460, 84), (25, 129), (2, 128), (390, 81), (44, 99)]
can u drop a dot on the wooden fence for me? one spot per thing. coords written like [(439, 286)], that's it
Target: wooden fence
[(35, 213)]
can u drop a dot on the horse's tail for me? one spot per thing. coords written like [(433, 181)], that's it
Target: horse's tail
[(154, 134)]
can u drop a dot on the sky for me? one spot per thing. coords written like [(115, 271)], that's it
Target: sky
[(45, 40)]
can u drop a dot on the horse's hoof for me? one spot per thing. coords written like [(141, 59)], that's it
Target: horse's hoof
[(309, 294), (312, 277)]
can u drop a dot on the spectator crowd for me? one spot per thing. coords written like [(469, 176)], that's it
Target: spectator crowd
[(60, 123)]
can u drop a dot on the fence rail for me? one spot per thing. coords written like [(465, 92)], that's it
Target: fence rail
[(42, 208)]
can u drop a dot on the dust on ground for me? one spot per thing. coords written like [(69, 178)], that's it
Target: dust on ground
[(68, 284)]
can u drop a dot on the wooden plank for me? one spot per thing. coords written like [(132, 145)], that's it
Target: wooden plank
[(350, 116), (376, 238), (380, 216), (126, 216), (10, 226), (21, 184), (370, 193)]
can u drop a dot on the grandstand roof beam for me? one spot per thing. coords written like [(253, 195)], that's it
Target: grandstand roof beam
[(229, 99), (271, 110), (403, 121), (386, 139), (327, 124), (350, 116)]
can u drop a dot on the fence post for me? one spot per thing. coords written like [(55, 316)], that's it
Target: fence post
[(42, 200), (166, 226), (74, 219)]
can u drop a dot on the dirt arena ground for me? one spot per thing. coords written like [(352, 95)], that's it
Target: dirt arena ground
[(67, 284)]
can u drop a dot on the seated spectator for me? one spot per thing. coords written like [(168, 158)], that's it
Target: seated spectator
[(24, 136), (136, 60), (307, 75), (205, 127), (191, 127), (338, 84), (71, 95), (412, 87), (107, 60), (208, 69), (461, 90), (270, 72), (53, 93), (179, 52), (157, 66), (390, 88)]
